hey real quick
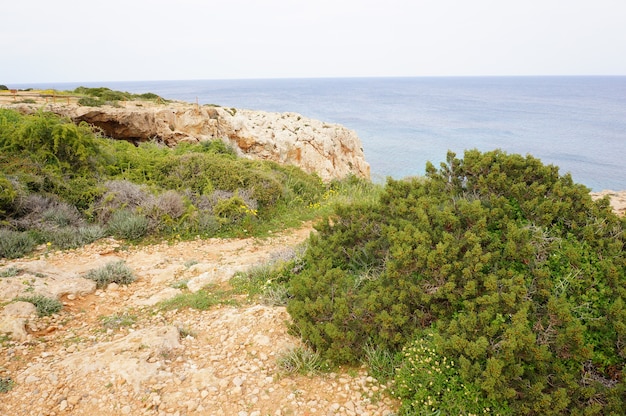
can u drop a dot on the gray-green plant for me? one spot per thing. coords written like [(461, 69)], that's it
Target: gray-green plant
[(15, 244), (45, 305), (128, 225), (10, 271), (114, 272)]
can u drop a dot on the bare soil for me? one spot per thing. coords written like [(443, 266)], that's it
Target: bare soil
[(220, 361)]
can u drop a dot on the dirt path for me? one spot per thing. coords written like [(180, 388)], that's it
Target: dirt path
[(88, 360)]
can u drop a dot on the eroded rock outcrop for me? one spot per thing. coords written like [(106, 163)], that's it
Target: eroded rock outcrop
[(330, 150)]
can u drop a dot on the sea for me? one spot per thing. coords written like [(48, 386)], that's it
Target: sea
[(576, 123)]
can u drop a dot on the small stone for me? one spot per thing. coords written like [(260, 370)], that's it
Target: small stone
[(31, 379), (113, 287), (63, 405), (73, 400), (126, 410), (204, 393), (237, 381), (71, 296)]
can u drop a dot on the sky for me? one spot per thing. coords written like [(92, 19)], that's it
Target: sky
[(137, 40)]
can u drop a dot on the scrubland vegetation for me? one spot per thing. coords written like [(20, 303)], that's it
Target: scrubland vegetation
[(64, 185), (493, 285), (496, 285)]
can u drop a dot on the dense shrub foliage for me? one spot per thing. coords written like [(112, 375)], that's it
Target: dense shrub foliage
[(96, 97), (514, 273), (64, 184)]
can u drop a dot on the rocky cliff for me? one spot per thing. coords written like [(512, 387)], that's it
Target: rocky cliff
[(330, 150)]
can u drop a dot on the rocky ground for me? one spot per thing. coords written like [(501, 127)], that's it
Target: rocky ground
[(117, 352)]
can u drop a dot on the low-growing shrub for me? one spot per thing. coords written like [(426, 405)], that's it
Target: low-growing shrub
[(128, 225), (45, 306), (64, 238), (15, 244), (122, 195), (89, 233), (115, 272), (10, 271), (91, 102)]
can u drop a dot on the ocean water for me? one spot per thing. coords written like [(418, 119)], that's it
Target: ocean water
[(576, 123)]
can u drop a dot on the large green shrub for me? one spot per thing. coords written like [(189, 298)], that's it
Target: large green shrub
[(49, 139), (7, 194), (520, 274)]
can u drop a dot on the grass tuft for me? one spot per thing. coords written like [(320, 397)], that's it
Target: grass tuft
[(118, 320), (300, 360)]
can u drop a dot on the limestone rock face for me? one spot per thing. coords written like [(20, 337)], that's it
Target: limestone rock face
[(330, 150), (14, 317)]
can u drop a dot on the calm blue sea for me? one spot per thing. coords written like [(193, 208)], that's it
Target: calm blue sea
[(576, 123)]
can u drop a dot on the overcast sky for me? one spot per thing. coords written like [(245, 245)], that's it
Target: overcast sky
[(130, 40)]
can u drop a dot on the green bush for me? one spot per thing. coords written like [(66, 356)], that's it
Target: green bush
[(91, 102), (7, 194), (427, 382), (45, 306), (115, 272), (49, 139), (521, 274)]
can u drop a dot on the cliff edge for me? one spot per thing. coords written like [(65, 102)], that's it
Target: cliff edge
[(330, 150)]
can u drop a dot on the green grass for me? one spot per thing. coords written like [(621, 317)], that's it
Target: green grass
[(201, 300), (300, 360), (118, 320)]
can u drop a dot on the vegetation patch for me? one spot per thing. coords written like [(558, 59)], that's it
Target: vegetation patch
[(65, 184), (201, 300), (518, 275), (268, 282), (6, 384), (114, 272), (10, 271), (300, 360), (45, 306), (118, 320)]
